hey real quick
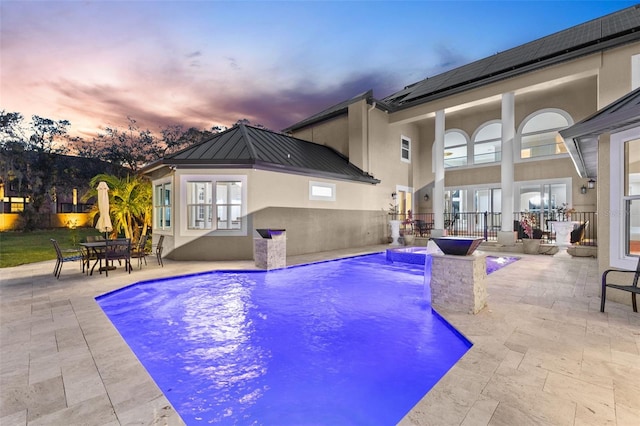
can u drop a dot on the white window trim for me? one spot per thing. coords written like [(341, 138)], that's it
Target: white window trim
[(517, 146), (185, 231), (154, 227), (402, 150), (324, 185), (617, 256)]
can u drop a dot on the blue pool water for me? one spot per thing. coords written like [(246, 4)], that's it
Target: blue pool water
[(417, 256), (346, 342)]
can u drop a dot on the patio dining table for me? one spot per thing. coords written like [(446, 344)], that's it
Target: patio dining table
[(99, 250)]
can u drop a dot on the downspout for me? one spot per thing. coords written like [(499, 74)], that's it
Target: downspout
[(373, 105)]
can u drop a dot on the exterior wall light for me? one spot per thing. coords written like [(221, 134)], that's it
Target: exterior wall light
[(591, 184), (583, 189)]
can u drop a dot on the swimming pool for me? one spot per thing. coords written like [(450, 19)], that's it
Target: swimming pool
[(350, 341)]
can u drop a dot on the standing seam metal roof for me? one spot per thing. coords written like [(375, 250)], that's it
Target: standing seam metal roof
[(244, 145)]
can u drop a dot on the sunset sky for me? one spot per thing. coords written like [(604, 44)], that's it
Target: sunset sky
[(205, 63)]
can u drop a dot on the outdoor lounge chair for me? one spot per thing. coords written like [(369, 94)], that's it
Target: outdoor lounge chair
[(71, 256), (632, 288)]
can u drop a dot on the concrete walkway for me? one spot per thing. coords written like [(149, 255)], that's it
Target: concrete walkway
[(542, 354)]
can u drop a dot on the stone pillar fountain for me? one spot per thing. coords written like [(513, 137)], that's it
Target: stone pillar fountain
[(456, 279)]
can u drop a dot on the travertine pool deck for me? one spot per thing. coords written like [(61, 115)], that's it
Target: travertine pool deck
[(542, 354)]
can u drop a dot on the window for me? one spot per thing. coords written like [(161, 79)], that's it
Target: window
[(162, 205), (321, 191), (487, 144), (199, 205), (631, 197), (455, 148), (229, 204), (539, 134), (405, 149), (624, 205)]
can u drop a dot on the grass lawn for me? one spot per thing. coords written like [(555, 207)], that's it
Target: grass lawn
[(19, 248)]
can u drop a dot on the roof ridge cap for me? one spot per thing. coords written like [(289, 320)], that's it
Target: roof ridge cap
[(245, 134)]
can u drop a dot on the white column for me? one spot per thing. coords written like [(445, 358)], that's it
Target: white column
[(506, 235), (438, 188)]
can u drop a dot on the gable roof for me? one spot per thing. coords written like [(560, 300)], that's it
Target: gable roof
[(581, 139), (245, 146), (597, 35)]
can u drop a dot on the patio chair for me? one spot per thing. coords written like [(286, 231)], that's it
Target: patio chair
[(71, 256), (118, 249), (139, 251), (159, 250), (422, 227), (631, 288)]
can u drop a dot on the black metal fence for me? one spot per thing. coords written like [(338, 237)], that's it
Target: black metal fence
[(486, 225)]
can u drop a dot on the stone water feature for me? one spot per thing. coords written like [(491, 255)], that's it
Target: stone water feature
[(457, 277)]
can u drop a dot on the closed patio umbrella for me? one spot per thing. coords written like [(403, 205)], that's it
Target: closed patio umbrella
[(104, 220)]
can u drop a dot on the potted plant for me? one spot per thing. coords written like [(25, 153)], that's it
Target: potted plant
[(394, 223), (407, 233), (530, 244), (564, 212)]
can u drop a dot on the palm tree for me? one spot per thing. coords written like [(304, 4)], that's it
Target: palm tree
[(129, 203)]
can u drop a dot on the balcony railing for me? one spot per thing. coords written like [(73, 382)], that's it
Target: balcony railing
[(486, 225)]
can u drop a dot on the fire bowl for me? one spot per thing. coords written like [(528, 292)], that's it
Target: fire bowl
[(458, 246)]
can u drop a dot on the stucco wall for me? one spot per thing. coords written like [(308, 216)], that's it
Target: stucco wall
[(356, 218), (308, 231), (333, 133)]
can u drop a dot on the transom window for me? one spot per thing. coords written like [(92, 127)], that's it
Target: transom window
[(539, 134), (487, 144)]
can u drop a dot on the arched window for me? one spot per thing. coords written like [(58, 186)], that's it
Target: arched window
[(539, 133), (487, 143), (455, 148)]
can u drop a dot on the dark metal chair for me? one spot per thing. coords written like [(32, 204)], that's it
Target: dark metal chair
[(159, 250), (72, 256), (118, 249), (421, 227), (632, 288), (140, 251)]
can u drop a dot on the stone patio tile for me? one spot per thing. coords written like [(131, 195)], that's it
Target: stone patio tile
[(628, 346), (536, 410), (627, 394), (44, 368), (595, 404), (39, 399), (94, 411), (69, 337), (521, 341), (18, 418), (82, 381), (481, 412), (627, 416), (15, 357), (551, 362), (162, 414)]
